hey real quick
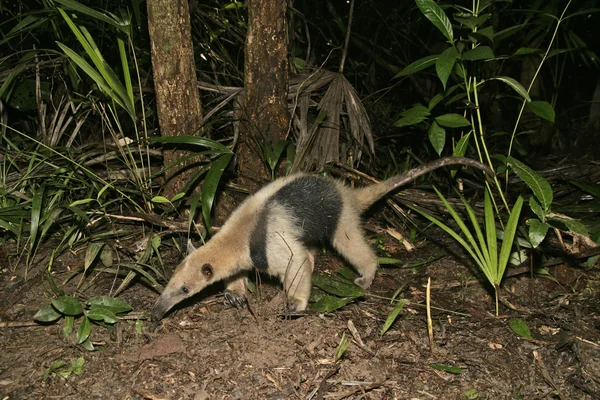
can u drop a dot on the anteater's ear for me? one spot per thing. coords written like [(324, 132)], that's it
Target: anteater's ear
[(190, 247)]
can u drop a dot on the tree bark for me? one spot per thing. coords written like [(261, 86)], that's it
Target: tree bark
[(175, 82), (265, 115)]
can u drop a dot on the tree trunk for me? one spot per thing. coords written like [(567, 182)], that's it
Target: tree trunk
[(175, 84), (265, 116)]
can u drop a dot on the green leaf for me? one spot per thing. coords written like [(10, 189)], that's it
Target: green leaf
[(85, 328), (537, 231), (329, 303), (191, 140), (452, 120), (412, 116), (515, 85), (113, 304), (571, 224), (210, 185), (77, 366), (91, 254), (47, 314), (88, 345), (537, 209), (538, 185), (445, 64), (418, 65), (67, 305), (433, 12), (509, 236), (447, 368), (523, 51), (341, 349), (519, 327), (102, 314), (479, 53), (471, 394), (80, 202), (160, 199), (471, 21), (391, 318), (437, 137), (542, 109), (461, 147), (336, 286), (177, 197)]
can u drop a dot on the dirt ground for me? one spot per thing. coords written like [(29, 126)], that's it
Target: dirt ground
[(206, 350)]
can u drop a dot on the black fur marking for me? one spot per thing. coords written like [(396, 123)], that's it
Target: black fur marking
[(313, 202), (258, 241)]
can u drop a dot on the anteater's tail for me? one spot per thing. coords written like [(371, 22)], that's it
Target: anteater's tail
[(370, 194)]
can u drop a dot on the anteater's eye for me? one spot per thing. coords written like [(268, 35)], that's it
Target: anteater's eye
[(185, 289)]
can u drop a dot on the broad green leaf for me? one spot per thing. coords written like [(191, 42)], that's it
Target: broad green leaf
[(77, 366), (522, 51), (329, 303), (538, 185), (515, 85), (417, 111), (275, 153), (479, 53), (88, 345), (519, 327), (85, 328), (509, 236), (408, 121), (447, 368), (435, 101), (67, 305), (433, 12), (445, 64), (490, 247), (418, 65), (437, 137), (537, 209), (571, 224), (91, 254), (210, 185), (160, 199), (452, 120), (412, 116), (391, 318), (471, 21), (336, 286), (542, 109), (537, 231), (471, 394), (113, 304), (47, 314), (518, 257), (102, 314), (341, 349)]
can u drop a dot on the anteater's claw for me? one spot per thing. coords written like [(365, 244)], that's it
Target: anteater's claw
[(235, 299)]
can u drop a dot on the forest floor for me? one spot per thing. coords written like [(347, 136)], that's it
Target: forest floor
[(206, 350)]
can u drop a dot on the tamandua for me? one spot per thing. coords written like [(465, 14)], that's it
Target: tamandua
[(276, 231)]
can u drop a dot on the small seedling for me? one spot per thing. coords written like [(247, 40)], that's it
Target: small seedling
[(57, 370)]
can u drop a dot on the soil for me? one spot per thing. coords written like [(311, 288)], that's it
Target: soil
[(206, 350)]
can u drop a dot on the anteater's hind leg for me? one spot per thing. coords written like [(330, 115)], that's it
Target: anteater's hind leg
[(297, 279), (235, 290), (350, 242)]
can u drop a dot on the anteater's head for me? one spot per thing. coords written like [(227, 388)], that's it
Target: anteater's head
[(195, 272)]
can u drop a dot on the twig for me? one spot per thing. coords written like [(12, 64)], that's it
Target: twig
[(429, 321)]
